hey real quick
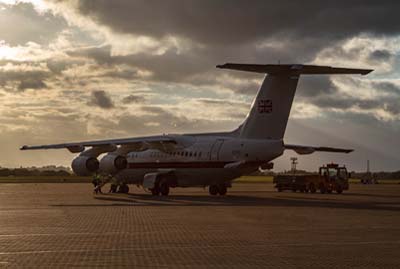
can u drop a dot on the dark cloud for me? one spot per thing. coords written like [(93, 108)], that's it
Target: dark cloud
[(311, 86), (101, 99), (380, 56), (133, 99), (393, 107), (219, 102), (122, 74), (344, 103), (170, 66), (159, 120), (57, 66), (31, 84), (23, 78), (101, 54), (227, 22), (387, 87)]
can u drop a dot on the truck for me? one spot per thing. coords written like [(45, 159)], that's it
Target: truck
[(331, 177)]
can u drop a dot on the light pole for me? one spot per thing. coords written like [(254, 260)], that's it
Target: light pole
[(294, 164)]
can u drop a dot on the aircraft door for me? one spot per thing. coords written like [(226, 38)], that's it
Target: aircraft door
[(214, 154)]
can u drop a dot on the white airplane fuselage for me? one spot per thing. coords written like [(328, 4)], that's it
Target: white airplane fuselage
[(209, 160)]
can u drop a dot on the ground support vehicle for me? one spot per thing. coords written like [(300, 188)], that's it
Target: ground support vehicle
[(331, 177)]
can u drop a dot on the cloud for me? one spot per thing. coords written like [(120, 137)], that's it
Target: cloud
[(380, 55), (31, 84), (19, 77), (133, 99), (314, 86), (221, 22), (28, 25), (101, 99)]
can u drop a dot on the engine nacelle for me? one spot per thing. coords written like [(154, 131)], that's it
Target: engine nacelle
[(112, 163), (85, 165)]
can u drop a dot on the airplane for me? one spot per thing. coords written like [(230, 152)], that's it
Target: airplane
[(212, 160)]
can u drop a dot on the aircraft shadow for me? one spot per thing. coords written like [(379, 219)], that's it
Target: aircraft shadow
[(373, 195), (313, 201)]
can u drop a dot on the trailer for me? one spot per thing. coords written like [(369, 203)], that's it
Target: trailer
[(331, 177)]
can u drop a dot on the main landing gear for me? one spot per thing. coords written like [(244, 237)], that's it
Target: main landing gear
[(124, 188), (115, 188), (220, 189), (160, 188)]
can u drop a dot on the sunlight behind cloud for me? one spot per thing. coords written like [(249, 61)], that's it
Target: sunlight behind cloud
[(39, 5)]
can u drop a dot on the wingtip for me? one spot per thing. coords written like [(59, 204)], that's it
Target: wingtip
[(24, 147), (367, 71)]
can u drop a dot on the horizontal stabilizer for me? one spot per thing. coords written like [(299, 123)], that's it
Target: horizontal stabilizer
[(302, 150), (293, 69)]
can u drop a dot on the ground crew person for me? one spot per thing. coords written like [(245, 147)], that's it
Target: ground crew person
[(97, 183)]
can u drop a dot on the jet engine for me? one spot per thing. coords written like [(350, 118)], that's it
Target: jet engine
[(85, 165), (112, 163)]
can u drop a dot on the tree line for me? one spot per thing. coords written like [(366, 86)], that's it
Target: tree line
[(6, 172)]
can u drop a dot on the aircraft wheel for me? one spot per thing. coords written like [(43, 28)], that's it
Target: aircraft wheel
[(113, 188), (312, 188), (155, 191), (322, 190), (123, 189), (222, 189), (329, 191), (339, 190), (213, 189), (279, 188), (164, 189)]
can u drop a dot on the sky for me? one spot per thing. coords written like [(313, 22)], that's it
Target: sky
[(73, 70)]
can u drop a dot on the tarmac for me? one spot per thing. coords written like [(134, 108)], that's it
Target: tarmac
[(65, 225)]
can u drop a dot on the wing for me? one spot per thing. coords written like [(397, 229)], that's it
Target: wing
[(302, 150), (139, 143)]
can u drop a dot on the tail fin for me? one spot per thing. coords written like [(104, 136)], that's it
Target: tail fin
[(271, 108)]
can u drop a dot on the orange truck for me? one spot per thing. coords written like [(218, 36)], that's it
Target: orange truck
[(331, 178)]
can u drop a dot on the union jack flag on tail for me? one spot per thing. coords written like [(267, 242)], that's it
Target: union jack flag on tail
[(265, 106)]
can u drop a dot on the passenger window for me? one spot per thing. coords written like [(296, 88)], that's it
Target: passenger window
[(190, 154)]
